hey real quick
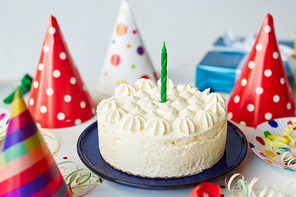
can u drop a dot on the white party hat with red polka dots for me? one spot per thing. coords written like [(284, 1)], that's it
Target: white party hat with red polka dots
[(58, 96), (126, 60), (262, 91)]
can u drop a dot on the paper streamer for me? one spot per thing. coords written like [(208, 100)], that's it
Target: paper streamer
[(286, 156), (78, 177), (246, 188), (47, 135), (277, 141), (2, 134)]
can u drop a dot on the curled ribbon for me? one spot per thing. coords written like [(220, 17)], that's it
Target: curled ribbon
[(291, 127), (78, 177), (245, 45), (49, 135), (2, 134), (286, 156), (246, 188), (237, 44), (274, 140), (282, 142)]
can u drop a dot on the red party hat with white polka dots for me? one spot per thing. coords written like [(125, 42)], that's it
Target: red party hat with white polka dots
[(58, 96), (262, 91), (127, 59)]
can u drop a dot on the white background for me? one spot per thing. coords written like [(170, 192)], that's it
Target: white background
[(188, 27)]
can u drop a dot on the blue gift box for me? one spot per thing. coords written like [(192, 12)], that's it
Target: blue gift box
[(218, 69)]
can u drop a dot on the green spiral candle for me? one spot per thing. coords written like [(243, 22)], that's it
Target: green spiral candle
[(163, 74)]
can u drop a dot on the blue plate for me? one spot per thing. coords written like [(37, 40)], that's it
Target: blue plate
[(88, 151)]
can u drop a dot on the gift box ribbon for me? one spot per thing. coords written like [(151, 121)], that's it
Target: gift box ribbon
[(234, 44)]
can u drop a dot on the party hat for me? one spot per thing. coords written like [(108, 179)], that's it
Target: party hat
[(27, 167), (262, 91), (58, 96), (127, 59)]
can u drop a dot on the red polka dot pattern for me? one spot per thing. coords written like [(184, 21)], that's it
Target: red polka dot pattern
[(58, 97), (262, 88)]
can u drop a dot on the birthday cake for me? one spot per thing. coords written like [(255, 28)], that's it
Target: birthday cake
[(142, 136)]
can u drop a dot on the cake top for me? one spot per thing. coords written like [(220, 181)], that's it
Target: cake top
[(137, 109)]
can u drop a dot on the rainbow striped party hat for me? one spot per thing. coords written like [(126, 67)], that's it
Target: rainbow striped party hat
[(27, 167)]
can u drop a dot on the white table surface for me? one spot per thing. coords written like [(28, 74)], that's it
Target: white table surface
[(67, 138)]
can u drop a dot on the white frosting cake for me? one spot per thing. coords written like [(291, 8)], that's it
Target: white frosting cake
[(142, 136)]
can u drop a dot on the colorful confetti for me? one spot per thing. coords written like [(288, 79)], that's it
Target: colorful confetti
[(269, 141), (50, 140), (260, 140)]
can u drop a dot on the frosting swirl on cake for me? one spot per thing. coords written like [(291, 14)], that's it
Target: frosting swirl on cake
[(107, 104), (179, 105), (215, 97), (184, 125), (131, 123), (157, 126), (205, 118), (186, 112), (113, 115), (150, 115), (125, 90), (217, 108), (194, 107), (144, 84), (129, 106), (145, 101), (190, 110)]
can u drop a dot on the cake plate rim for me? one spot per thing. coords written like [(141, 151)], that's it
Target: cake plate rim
[(87, 149)]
